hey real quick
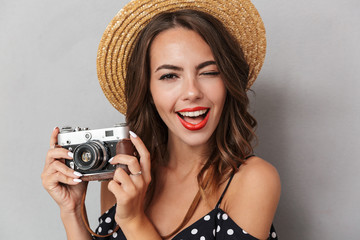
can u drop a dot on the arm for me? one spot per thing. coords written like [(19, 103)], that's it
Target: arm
[(253, 197), (66, 188), (130, 191), (74, 226)]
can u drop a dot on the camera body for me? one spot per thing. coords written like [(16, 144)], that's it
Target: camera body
[(92, 150)]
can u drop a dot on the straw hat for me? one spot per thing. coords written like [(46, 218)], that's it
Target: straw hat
[(240, 17)]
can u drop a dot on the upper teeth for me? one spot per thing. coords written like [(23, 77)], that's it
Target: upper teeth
[(193, 114)]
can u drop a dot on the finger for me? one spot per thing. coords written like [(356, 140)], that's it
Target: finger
[(60, 153), (124, 188), (51, 177), (134, 168), (131, 161), (53, 138), (52, 180), (118, 191), (121, 177), (144, 156), (57, 153), (58, 166)]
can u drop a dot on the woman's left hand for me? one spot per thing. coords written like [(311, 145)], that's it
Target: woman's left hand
[(130, 190)]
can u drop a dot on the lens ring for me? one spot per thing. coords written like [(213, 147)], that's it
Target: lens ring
[(95, 154)]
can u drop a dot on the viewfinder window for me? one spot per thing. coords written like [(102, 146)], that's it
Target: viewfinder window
[(109, 133)]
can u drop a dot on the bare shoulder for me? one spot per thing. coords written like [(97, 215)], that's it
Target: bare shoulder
[(253, 196), (256, 172)]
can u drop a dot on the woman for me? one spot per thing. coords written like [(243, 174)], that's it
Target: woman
[(185, 91)]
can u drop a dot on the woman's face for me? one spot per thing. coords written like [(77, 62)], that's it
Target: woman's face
[(186, 86)]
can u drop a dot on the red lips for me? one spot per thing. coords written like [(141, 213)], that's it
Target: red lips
[(194, 127)]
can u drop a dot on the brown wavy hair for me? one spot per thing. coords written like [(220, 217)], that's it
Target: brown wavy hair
[(232, 140)]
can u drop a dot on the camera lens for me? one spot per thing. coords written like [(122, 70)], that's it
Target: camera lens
[(90, 156), (86, 156)]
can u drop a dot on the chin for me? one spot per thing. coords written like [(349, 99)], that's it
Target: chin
[(196, 140)]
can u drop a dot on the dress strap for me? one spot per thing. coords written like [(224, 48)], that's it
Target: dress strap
[(222, 195), (227, 185)]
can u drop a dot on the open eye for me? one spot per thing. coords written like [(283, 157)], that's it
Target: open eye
[(168, 76)]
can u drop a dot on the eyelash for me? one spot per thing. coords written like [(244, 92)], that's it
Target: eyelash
[(211, 73), (168, 76), (172, 75)]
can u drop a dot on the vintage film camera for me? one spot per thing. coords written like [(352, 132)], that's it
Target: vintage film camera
[(92, 150)]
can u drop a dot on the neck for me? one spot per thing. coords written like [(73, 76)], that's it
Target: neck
[(185, 159)]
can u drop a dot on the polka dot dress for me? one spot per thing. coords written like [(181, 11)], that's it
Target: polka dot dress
[(214, 225)]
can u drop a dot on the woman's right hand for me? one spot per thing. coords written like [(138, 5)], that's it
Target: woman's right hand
[(62, 183)]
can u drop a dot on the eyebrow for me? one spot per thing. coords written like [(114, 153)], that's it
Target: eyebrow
[(176, 68), (171, 67), (205, 64)]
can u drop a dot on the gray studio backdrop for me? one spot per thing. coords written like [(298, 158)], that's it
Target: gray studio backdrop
[(306, 102)]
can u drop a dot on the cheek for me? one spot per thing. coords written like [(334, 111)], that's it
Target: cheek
[(217, 93), (161, 99)]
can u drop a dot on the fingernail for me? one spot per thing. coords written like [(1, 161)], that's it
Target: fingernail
[(111, 159), (77, 180), (55, 128), (78, 174), (70, 154), (132, 134)]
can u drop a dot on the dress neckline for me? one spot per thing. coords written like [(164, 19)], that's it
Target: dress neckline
[(197, 221)]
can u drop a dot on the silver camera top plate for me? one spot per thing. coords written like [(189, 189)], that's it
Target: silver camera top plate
[(79, 136)]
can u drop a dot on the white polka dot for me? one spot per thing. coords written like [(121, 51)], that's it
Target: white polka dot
[(245, 232), (218, 229), (100, 229), (225, 216), (110, 231), (114, 235), (218, 215), (108, 220), (194, 231), (202, 238), (214, 232), (230, 232), (207, 218), (273, 235)]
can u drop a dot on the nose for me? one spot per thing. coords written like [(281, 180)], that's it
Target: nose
[(191, 89)]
